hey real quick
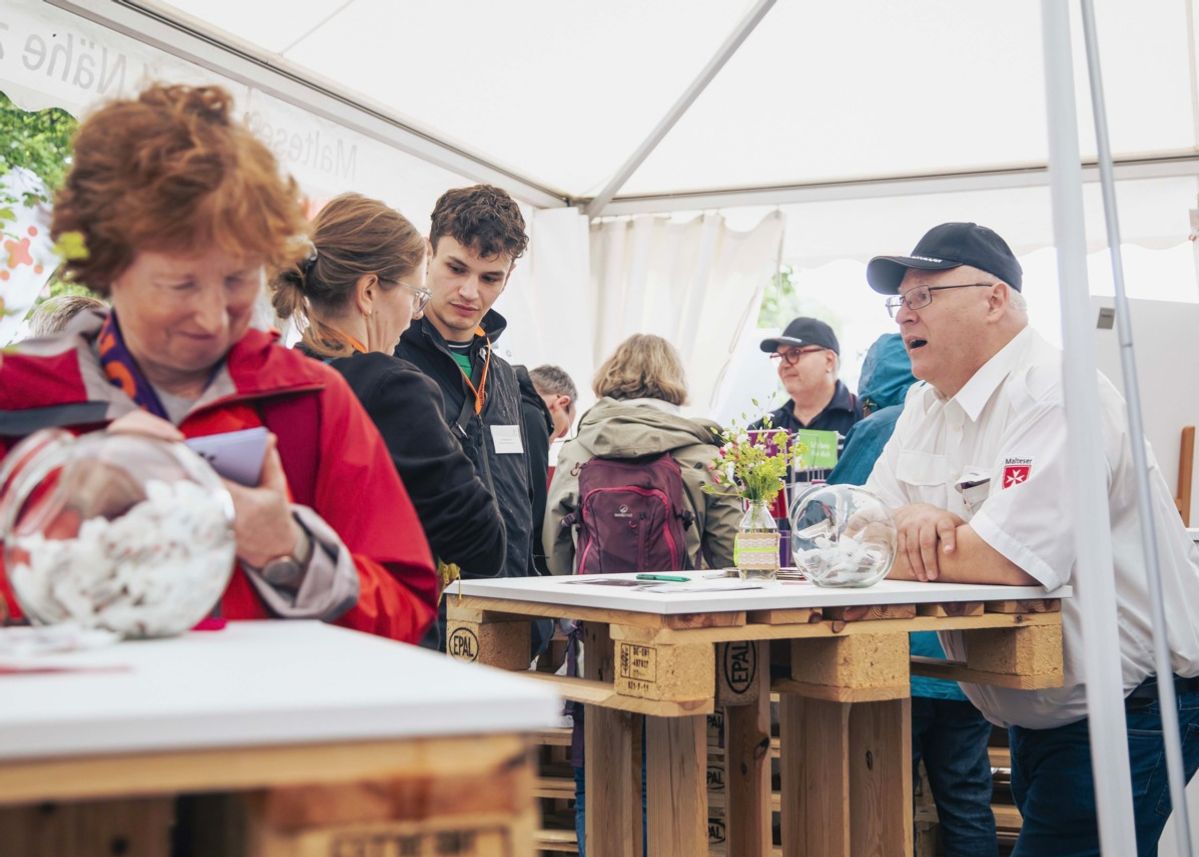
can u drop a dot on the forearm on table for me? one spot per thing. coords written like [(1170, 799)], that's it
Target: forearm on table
[(971, 561)]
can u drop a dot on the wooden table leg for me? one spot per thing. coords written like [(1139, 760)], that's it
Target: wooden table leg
[(135, 828), (613, 771), (814, 769), (846, 777), (880, 777), (612, 761), (741, 683), (676, 779)]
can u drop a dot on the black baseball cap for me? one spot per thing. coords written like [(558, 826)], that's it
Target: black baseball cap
[(947, 246), (804, 331)]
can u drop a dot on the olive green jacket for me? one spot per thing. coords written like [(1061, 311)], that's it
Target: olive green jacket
[(632, 429)]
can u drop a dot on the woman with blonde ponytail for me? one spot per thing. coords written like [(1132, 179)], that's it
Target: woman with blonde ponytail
[(352, 297)]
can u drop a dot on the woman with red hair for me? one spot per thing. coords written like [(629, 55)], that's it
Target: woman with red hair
[(179, 209)]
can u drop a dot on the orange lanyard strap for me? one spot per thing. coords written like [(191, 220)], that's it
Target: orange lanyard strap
[(481, 391), (332, 334)]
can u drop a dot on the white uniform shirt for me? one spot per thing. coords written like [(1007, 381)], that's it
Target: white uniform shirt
[(1005, 434)]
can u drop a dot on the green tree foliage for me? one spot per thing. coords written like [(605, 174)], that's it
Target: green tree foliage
[(784, 300), (780, 303), (39, 141)]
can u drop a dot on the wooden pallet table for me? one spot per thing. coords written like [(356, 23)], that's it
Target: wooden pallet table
[(662, 659), (267, 739)]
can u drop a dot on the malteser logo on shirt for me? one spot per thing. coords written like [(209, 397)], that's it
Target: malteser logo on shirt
[(1016, 471)]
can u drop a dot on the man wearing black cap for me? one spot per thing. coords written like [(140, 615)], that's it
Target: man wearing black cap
[(808, 358), (976, 474)]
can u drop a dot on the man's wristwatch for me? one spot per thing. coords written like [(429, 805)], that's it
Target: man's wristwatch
[(287, 571)]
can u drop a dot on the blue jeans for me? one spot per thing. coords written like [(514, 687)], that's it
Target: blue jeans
[(1054, 788), (580, 811), (951, 736)]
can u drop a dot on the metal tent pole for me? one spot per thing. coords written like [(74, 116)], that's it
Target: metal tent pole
[(1136, 429), (1093, 579), (724, 53)]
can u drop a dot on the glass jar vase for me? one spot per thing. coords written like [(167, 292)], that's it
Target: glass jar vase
[(843, 536), (756, 545), (119, 532)]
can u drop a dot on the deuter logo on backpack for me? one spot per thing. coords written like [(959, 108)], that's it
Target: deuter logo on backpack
[(632, 516)]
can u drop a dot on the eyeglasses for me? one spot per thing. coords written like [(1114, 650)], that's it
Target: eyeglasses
[(922, 296), (420, 294), (791, 355)]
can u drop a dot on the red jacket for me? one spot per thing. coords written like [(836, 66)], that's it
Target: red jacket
[(335, 461)]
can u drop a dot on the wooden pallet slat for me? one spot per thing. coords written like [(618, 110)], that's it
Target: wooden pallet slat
[(957, 671), (134, 828), (746, 766), (677, 811), (797, 616), (828, 629), (869, 612), (605, 695), (1036, 605), (952, 608), (613, 770)]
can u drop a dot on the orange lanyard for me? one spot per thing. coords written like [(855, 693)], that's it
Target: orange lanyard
[(481, 391), (329, 332)]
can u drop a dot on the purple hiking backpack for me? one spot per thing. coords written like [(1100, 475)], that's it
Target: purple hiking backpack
[(631, 517)]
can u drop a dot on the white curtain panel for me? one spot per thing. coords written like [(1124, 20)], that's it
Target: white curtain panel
[(547, 300), (698, 284)]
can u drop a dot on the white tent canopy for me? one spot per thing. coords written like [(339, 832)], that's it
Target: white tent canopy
[(559, 93), (863, 123)]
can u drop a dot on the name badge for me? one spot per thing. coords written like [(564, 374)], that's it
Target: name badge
[(506, 439)]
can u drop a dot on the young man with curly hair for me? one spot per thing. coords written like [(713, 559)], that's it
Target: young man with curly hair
[(477, 235)]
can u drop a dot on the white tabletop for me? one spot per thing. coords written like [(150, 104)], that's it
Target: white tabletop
[(672, 599), (255, 683)]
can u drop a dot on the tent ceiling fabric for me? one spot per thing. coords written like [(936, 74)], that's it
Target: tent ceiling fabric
[(852, 90), (562, 91)]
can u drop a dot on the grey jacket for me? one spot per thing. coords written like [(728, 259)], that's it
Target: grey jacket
[(632, 429)]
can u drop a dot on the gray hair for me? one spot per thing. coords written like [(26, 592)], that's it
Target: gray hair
[(550, 380), (1018, 301), (54, 314)]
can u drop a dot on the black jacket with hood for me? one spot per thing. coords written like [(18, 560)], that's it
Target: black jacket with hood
[(460, 519), (539, 426), (506, 475)]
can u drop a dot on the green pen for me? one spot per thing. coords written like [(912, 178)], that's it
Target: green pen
[(666, 578)]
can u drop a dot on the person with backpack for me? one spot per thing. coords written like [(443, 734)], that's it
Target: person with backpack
[(627, 493)]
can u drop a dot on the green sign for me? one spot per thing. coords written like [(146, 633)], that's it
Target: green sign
[(815, 450)]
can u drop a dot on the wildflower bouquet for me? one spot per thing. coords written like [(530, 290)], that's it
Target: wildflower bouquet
[(751, 466)]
